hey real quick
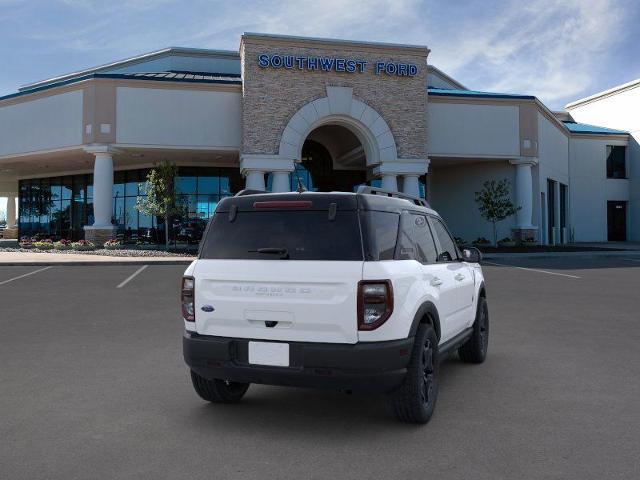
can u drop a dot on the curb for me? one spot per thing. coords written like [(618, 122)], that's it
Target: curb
[(617, 253)]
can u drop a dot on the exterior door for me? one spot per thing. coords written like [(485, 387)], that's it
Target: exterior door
[(551, 211), (416, 242), (462, 274), (617, 221)]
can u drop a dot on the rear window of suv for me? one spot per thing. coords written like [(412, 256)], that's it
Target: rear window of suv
[(267, 235)]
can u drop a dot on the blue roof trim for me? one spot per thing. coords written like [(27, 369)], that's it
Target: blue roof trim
[(585, 128), (444, 92), (225, 80)]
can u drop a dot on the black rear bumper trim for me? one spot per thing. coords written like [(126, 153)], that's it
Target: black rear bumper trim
[(371, 366)]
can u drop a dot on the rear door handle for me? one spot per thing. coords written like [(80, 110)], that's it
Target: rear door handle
[(459, 277), (436, 282)]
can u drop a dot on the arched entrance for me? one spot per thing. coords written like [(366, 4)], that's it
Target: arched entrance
[(350, 143), (334, 159)]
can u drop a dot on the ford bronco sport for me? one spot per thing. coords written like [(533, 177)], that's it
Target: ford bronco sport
[(361, 291)]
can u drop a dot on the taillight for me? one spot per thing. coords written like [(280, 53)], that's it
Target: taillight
[(375, 303), (187, 299)]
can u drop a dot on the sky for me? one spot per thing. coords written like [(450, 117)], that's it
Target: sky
[(557, 50)]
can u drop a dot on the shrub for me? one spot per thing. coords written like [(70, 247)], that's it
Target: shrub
[(83, 245), (112, 244), (26, 242), (481, 241), (62, 245), (46, 244)]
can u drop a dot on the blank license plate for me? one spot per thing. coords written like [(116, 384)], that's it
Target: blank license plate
[(268, 353)]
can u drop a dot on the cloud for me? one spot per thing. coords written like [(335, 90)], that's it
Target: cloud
[(557, 50), (544, 47)]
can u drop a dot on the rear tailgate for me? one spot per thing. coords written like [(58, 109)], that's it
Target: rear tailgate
[(288, 300)]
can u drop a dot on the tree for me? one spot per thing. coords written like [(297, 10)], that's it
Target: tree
[(160, 199), (494, 203)]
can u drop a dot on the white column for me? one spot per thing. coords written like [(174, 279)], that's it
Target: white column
[(524, 193), (255, 180), (411, 185), (11, 211), (103, 189), (280, 182), (389, 183)]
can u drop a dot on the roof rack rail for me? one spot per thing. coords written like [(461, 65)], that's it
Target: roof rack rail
[(386, 193), (242, 193)]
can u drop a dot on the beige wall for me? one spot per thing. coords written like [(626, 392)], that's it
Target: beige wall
[(452, 193), (45, 123), (272, 96), (172, 117), (473, 129)]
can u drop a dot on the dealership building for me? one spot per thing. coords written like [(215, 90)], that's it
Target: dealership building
[(327, 114)]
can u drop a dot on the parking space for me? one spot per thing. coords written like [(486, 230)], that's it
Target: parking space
[(92, 385)]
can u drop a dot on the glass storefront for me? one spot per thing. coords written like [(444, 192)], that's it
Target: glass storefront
[(59, 207)]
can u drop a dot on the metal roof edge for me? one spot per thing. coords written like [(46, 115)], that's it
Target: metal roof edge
[(131, 61), (476, 94), (447, 77), (124, 76)]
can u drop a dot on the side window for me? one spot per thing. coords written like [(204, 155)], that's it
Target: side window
[(447, 246), (381, 234), (425, 246), (415, 241), (406, 249)]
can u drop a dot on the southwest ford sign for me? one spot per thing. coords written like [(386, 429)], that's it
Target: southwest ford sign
[(333, 64)]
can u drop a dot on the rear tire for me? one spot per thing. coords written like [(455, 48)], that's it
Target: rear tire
[(218, 391), (475, 349), (415, 400)]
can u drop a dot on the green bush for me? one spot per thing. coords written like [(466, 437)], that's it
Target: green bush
[(83, 245)]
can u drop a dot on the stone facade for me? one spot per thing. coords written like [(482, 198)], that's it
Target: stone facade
[(272, 96), (9, 233), (99, 236)]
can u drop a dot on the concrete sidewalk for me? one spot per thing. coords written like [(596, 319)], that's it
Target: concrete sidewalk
[(593, 253), (38, 259)]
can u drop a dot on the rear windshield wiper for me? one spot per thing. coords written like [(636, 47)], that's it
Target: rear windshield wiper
[(283, 252)]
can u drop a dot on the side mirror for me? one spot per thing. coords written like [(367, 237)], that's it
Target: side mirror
[(471, 255), (444, 257)]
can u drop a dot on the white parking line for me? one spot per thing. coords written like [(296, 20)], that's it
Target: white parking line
[(532, 269), (132, 276), (25, 275)]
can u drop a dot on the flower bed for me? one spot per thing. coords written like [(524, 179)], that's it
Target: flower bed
[(113, 245), (83, 245), (62, 245)]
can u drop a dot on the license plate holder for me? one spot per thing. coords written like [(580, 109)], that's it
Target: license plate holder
[(269, 353)]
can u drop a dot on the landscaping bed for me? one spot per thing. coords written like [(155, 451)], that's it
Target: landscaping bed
[(542, 248), (124, 252)]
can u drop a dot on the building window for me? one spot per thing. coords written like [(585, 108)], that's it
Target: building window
[(616, 164), (59, 207)]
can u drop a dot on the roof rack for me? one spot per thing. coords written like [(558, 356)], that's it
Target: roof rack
[(242, 193), (365, 189)]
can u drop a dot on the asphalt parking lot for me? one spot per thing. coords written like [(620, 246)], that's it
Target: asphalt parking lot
[(92, 385)]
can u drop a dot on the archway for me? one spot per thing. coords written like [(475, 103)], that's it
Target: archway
[(334, 158)]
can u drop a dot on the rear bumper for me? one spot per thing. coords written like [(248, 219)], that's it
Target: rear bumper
[(371, 367)]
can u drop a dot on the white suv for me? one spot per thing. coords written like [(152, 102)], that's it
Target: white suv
[(361, 291)]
